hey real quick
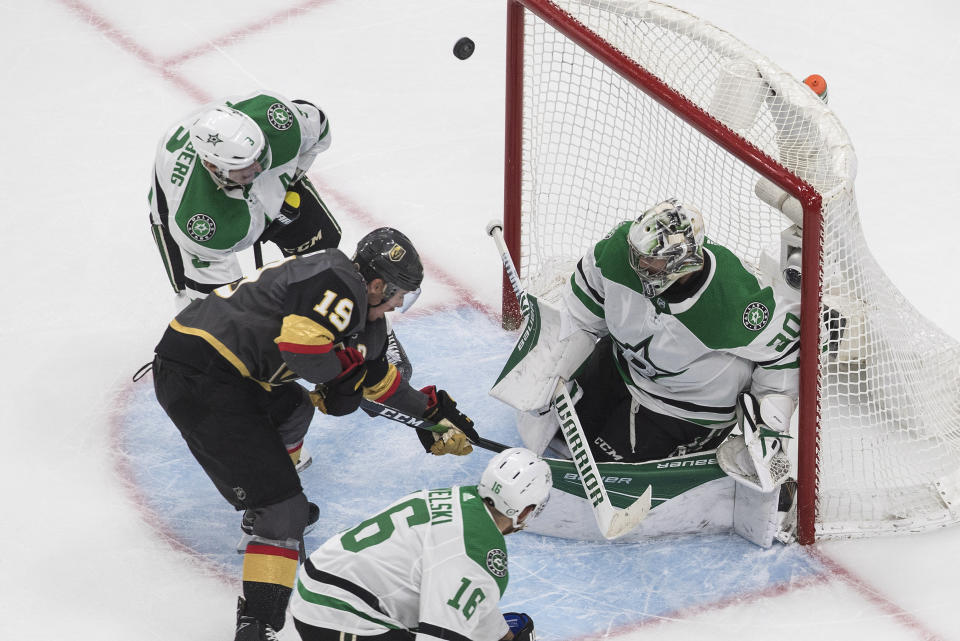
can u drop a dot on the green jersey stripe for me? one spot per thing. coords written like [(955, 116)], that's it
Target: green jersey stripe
[(337, 604), (585, 298)]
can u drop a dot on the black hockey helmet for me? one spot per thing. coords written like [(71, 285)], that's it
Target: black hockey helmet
[(386, 253)]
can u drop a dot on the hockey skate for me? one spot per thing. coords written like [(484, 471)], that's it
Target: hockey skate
[(249, 516), (251, 629), (787, 513), (305, 460)]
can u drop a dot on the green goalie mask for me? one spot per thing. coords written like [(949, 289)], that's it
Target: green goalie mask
[(666, 242)]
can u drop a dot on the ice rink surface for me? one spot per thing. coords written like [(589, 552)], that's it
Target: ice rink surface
[(111, 532)]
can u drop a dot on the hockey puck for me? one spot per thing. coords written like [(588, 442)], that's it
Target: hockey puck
[(464, 48)]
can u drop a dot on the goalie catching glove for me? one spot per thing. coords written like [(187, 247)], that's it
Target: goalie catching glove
[(521, 625), (442, 410), (342, 395), (757, 459)]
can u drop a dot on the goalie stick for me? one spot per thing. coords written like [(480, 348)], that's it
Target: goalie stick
[(562, 469), (613, 522)]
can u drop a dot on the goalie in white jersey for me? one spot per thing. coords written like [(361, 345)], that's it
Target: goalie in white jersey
[(432, 565), (685, 329)]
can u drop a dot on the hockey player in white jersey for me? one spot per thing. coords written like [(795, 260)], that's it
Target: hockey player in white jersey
[(233, 173), (432, 565), (685, 330)]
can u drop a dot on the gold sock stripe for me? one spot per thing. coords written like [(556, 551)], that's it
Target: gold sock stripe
[(268, 564)]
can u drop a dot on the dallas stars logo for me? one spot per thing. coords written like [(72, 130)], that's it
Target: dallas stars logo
[(756, 316), (638, 358), (201, 227), (214, 139), (497, 562), (279, 116)]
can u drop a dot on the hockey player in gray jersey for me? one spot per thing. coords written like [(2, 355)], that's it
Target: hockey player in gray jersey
[(226, 373), (685, 330), (432, 565), (232, 173)]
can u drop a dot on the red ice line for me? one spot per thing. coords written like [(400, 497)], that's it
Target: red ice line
[(238, 34), (874, 596), (834, 571), (165, 68), (149, 515), (687, 613)]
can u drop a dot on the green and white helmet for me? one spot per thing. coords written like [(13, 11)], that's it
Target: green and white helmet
[(231, 142), (515, 479), (666, 242)]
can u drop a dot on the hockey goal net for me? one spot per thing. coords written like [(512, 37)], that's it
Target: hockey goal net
[(614, 105)]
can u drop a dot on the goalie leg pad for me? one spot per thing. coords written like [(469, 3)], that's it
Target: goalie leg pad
[(536, 430)]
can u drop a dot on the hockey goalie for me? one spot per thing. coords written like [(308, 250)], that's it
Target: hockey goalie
[(671, 348)]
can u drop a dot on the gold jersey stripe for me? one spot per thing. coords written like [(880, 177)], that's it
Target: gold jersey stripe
[(386, 383), (215, 343), (301, 330)]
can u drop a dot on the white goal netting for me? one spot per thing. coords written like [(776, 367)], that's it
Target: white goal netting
[(597, 150)]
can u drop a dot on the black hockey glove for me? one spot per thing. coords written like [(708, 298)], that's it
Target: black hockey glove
[(343, 394), (521, 625), (442, 410), (289, 213)]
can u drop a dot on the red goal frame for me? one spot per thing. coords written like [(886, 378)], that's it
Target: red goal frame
[(809, 198)]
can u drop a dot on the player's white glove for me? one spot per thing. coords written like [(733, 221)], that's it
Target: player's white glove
[(757, 458)]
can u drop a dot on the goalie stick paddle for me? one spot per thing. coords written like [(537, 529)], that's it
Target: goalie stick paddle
[(613, 522)]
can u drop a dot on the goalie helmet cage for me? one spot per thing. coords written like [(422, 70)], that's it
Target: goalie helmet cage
[(614, 105)]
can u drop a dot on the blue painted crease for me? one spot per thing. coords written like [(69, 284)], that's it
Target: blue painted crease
[(571, 588)]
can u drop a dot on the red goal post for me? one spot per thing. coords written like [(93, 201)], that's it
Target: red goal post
[(613, 105)]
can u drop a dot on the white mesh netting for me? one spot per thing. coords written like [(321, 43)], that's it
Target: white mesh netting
[(597, 150)]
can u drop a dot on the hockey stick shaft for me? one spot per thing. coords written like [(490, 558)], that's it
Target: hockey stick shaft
[(612, 522), (379, 409), (495, 230)]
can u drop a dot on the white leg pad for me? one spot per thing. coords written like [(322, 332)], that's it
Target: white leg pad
[(755, 515), (536, 430)]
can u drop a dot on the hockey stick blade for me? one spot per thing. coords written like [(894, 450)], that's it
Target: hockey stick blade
[(624, 520), (385, 411)]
